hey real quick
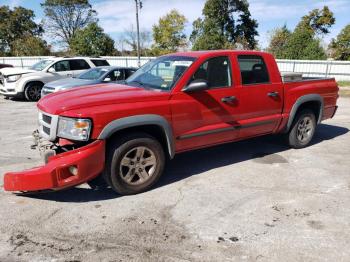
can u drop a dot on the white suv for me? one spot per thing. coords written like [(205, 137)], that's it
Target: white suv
[(27, 83)]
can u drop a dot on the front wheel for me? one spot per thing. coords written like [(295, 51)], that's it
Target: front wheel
[(302, 130), (134, 163), (32, 91)]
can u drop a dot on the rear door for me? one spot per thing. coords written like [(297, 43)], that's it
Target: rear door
[(261, 100)]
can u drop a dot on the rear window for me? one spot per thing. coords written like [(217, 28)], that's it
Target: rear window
[(253, 69), (78, 64), (100, 62)]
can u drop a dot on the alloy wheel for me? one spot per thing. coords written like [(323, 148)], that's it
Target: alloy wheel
[(138, 165)]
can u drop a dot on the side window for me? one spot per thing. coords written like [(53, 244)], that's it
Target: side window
[(78, 64), (116, 75), (216, 71), (62, 66), (253, 69), (129, 72), (99, 62)]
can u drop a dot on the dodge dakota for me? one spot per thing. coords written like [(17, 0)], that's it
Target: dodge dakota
[(120, 135)]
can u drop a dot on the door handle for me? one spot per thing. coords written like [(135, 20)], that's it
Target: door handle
[(228, 99), (272, 94)]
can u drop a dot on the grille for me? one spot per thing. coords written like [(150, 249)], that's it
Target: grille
[(46, 130), (48, 126), (2, 81), (47, 119)]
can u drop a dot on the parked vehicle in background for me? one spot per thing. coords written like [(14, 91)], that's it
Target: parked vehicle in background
[(103, 74), (5, 65), (122, 134), (27, 83)]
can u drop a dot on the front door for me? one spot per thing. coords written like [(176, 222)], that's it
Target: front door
[(62, 70), (203, 118)]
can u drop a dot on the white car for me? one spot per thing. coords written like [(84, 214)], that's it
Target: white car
[(27, 83)]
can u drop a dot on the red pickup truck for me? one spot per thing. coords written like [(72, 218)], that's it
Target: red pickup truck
[(121, 134)]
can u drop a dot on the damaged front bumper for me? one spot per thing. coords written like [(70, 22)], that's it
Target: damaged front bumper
[(67, 169)]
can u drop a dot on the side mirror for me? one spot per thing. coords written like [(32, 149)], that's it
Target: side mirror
[(196, 85), (107, 79), (51, 70)]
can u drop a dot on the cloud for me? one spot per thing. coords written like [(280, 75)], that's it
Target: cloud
[(267, 10), (117, 15)]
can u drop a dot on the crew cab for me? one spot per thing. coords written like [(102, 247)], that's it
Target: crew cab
[(119, 136), (27, 83)]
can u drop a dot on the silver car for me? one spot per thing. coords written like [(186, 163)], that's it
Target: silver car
[(93, 76)]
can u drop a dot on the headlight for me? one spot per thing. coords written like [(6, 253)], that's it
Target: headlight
[(13, 78), (74, 128)]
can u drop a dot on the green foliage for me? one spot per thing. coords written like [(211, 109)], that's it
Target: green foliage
[(65, 17), (341, 45), (317, 21), (30, 46), (278, 41), (303, 42), (14, 25), (92, 41), (304, 45), (169, 34), (225, 24)]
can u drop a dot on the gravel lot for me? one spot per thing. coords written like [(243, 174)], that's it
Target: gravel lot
[(254, 200)]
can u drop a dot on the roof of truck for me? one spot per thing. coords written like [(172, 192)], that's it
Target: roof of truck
[(208, 52)]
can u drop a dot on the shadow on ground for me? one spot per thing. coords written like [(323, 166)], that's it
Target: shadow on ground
[(262, 149)]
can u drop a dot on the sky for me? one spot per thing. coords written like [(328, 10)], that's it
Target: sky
[(116, 16)]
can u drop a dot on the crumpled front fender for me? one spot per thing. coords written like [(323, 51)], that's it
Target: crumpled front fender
[(88, 162)]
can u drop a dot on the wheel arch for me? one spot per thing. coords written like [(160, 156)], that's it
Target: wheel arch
[(32, 81), (312, 101), (155, 125)]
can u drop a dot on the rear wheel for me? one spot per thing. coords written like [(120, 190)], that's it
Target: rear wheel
[(303, 129), (134, 163), (32, 91)]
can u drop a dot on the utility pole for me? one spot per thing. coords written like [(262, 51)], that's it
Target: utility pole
[(138, 6)]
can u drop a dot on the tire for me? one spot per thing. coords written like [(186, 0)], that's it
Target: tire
[(32, 91), (134, 163), (98, 183), (302, 129)]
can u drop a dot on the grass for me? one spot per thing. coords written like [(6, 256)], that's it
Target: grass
[(344, 89), (344, 83)]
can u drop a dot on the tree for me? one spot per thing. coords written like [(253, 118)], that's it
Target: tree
[(14, 24), (317, 21), (304, 42), (278, 41), (340, 46), (304, 45), (130, 38), (66, 17), (30, 46), (225, 24), (169, 34), (92, 41)]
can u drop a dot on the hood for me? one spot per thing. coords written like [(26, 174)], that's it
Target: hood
[(15, 71), (97, 95), (70, 82)]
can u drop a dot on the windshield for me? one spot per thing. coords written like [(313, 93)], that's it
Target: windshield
[(161, 73), (93, 74), (41, 65)]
